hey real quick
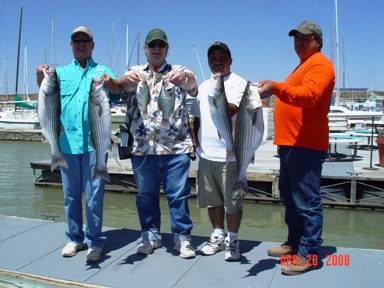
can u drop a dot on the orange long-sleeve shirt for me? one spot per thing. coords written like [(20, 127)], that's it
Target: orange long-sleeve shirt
[(302, 104)]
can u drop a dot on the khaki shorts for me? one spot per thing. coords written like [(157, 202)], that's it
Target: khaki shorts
[(214, 183)]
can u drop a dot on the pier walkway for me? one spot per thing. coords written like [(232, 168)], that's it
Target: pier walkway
[(30, 256), (353, 178)]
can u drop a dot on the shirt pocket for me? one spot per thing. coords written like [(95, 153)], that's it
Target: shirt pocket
[(67, 85)]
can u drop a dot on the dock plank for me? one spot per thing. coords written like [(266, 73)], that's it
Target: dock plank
[(34, 247)]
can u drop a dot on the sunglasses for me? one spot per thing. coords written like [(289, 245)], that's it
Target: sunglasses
[(84, 40), (159, 44)]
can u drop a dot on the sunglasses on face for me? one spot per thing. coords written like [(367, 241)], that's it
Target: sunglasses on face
[(159, 44), (84, 40)]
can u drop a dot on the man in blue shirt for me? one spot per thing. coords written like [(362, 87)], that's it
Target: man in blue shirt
[(75, 82)]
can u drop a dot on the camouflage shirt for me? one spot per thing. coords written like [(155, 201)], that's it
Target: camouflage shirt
[(149, 136)]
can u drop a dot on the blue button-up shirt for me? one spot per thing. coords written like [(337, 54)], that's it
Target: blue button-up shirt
[(75, 86)]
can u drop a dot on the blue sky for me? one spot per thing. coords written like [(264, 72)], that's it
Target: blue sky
[(256, 32)]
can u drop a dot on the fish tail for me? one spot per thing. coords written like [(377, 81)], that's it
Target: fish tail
[(101, 173), (240, 189), (164, 123), (57, 160), (144, 115)]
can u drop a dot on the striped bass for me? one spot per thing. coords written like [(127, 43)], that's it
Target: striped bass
[(249, 131), (99, 117), (49, 116), (220, 113)]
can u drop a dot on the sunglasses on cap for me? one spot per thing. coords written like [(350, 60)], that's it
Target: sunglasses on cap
[(84, 40), (160, 44)]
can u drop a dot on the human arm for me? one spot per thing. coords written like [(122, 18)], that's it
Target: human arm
[(185, 80)]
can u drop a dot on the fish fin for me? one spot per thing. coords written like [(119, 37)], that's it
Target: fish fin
[(164, 123), (103, 173), (230, 156), (100, 110), (144, 115), (240, 189), (57, 160)]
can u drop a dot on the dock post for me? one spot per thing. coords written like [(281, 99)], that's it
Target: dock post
[(275, 183), (352, 197)]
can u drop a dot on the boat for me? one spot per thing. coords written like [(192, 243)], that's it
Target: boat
[(342, 119), (19, 119)]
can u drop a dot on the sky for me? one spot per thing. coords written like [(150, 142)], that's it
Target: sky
[(256, 32)]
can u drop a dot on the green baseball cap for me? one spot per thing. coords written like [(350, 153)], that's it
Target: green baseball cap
[(307, 27), (156, 34)]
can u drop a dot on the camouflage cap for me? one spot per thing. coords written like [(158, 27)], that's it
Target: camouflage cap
[(221, 46), (156, 34), (307, 27), (82, 29)]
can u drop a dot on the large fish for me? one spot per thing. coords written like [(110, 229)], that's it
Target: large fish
[(143, 97), (166, 102), (249, 130), (99, 117), (49, 116), (220, 113)]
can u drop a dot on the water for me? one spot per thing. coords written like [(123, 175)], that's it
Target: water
[(343, 227)]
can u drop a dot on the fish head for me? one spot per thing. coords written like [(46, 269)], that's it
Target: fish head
[(96, 92), (50, 84), (252, 96)]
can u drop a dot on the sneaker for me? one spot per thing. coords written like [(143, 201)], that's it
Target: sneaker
[(93, 254), (71, 248), (297, 267), (147, 247), (215, 244), (185, 248), (282, 250), (232, 251)]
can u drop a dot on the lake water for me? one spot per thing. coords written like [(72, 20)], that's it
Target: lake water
[(343, 227)]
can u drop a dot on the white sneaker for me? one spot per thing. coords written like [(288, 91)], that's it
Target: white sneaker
[(71, 248), (185, 248), (232, 251), (147, 247), (93, 254), (215, 244)]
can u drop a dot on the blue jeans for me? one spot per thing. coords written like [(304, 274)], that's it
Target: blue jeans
[(300, 179), (76, 179), (172, 171)]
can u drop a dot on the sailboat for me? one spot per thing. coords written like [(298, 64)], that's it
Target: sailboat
[(22, 115)]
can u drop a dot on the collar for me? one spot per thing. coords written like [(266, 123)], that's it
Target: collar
[(164, 68)]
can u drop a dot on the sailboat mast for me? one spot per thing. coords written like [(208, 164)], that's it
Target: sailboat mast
[(18, 50), (337, 59), (126, 47), (53, 42)]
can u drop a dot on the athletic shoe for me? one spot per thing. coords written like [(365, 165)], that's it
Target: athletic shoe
[(284, 249), (185, 248), (232, 251), (214, 245), (71, 248), (147, 247), (93, 254)]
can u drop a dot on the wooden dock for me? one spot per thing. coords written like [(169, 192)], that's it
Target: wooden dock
[(30, 256), (346, 180)]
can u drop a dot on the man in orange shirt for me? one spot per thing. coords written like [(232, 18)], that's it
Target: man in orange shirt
[(301, 132)]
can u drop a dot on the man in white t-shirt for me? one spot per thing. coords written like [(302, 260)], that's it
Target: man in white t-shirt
[(215, 177)]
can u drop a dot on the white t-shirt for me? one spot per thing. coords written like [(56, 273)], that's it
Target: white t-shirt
[(211, 146)]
